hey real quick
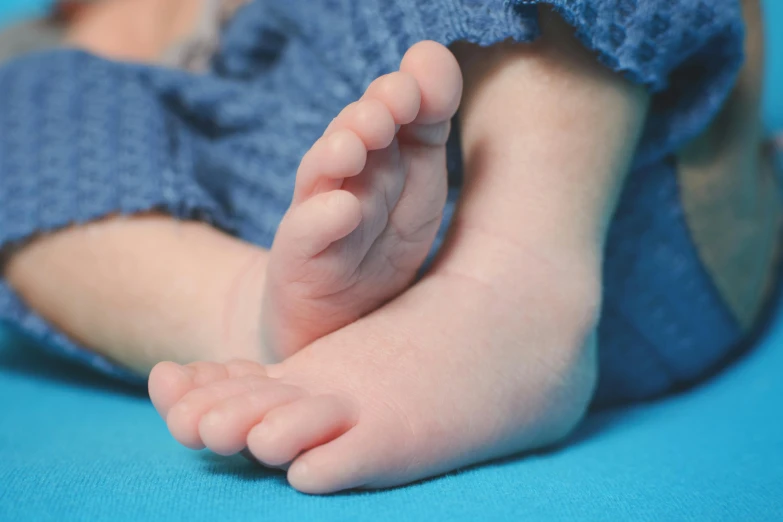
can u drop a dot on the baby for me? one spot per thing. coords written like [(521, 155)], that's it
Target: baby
[(566, 252)]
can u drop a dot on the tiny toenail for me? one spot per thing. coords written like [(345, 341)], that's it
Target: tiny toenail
[(333, 201), (213, 418), (182, 408), (335, 139), (261, 431), (302, 470), (265, 431)]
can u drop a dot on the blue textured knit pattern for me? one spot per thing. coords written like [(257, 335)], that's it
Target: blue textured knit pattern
[(82, 137)]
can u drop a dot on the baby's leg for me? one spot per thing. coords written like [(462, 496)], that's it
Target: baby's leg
[(144, 289), (492, 352)]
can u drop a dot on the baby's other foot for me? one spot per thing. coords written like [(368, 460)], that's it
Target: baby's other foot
[(422, 386), (368, 201)]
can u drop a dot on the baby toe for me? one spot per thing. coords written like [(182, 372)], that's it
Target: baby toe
[(206, 372), (370, 119), (243, 368), (312, 226), (289, 430), (340, 155), (168, 383), (184, 417), (346, 462), (224, 429), (400, 93), (439, 78)]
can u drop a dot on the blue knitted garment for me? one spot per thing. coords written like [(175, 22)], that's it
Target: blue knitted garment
[(82, 137)]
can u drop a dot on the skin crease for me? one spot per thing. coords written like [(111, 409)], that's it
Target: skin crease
[(396, 379)]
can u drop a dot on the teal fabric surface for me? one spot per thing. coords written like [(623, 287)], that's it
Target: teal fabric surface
[(77, 446)]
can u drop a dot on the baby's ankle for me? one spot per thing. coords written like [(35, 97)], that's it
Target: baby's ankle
[(548, 306), (517, 266)]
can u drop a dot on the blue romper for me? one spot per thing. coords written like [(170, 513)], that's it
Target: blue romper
[(82, 137)]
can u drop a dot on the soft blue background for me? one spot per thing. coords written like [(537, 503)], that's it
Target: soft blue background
[(76, 446)]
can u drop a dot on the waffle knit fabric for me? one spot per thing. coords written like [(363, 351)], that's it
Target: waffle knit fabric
[(82, 137)]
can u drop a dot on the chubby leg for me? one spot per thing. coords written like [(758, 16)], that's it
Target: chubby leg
[(144, 289)]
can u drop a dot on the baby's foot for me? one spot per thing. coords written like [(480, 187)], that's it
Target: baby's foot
[(368, 201), (444, 376)]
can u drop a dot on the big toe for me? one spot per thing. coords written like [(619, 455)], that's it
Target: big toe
[(440, 80), (298, 426), (363, 457)]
